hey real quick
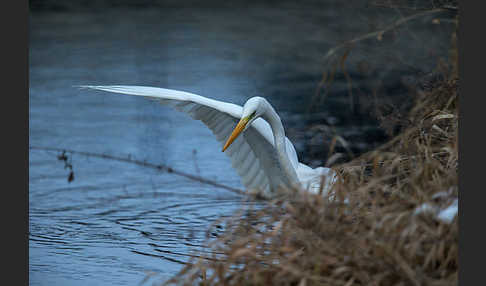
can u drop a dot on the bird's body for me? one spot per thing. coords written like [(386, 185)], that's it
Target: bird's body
[(263, 157)]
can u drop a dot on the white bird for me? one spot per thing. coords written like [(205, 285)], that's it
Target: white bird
[(263, 157)]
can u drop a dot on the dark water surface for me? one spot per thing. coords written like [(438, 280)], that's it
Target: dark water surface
[(116, 222)]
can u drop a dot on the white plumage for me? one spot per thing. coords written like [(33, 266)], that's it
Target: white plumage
[(263, 157)]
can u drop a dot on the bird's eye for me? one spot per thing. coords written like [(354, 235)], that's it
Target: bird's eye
[(253, 114)]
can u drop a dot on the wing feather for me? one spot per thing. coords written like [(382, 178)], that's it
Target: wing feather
[(259, 179), (245, 166), (249, 176), (252, 180), (208, 117)]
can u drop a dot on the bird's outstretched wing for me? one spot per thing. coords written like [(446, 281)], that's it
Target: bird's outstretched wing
[(252, 155)]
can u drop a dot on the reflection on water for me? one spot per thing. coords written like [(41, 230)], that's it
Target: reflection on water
[(116, 222)]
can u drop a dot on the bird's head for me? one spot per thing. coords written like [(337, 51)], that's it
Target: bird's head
[(253, 108)]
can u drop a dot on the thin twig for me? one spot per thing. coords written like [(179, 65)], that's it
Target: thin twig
[(379, 33), (348, 44), (159, 167)]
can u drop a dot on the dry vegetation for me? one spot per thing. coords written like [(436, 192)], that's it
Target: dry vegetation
[(369, 232)]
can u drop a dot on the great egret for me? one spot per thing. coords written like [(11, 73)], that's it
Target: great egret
[(261, 154)]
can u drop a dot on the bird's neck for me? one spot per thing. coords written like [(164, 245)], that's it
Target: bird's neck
[(273, 119)]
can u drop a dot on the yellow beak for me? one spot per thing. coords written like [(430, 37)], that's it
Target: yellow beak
[(238, 129)]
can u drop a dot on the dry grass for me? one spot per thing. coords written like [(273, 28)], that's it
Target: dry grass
[(376, 237)]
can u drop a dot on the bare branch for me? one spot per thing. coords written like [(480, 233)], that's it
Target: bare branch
[(128, 159), (379, 33)]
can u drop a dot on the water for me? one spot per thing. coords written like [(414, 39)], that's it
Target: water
[(117, 222)]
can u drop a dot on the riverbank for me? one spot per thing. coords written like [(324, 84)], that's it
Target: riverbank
[(392, 218)]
